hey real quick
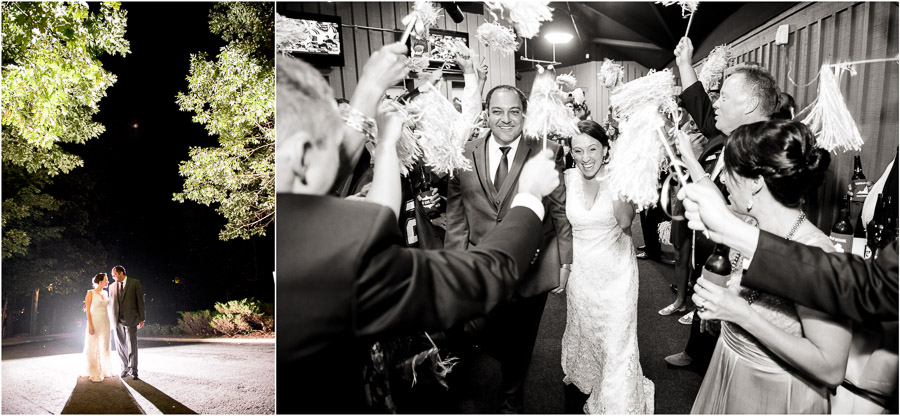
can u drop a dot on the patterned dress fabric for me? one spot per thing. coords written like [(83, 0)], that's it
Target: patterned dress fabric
[(745, 377), (600, 345)]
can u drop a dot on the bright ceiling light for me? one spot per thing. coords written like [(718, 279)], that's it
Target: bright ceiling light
[(558, 37)]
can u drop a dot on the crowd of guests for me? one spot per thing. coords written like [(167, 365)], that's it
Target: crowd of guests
[(369, 259)]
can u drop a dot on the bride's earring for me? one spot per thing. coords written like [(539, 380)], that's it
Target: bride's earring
[(750, 204)]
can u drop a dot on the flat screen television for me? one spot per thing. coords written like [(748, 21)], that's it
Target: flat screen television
[(322, 45)]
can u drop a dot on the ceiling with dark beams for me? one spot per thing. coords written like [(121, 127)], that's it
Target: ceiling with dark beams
[(644, 32)]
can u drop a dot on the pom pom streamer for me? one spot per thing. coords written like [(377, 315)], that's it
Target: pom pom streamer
[(423, 16), (525, 15), (437, 126), (566, 82), (610, 73), (715, 65), (687, 7), (288, 32), (656, 89), (634, 170), (547, 110), (664, 229), (417, 64), (498, 37), (828, 116)]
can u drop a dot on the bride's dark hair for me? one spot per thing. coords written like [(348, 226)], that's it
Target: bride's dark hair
[(99, 278)]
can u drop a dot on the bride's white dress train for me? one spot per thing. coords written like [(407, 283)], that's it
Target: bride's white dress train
[(599, 346), (96, 347)]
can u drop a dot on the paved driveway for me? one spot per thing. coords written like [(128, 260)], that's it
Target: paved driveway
[(206, 378)]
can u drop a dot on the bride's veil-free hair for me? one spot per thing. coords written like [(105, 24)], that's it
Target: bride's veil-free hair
[(99, 278)]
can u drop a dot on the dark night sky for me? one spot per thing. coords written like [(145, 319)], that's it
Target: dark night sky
[(136, 170)]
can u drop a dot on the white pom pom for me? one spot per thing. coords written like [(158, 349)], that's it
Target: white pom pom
[(498, 37), (828, 118)]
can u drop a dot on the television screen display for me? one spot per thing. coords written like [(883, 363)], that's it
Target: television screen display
[(315, 38), (322, 38)]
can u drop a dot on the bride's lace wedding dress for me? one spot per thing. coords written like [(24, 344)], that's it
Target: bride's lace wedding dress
[(599, 346), (96, 347)]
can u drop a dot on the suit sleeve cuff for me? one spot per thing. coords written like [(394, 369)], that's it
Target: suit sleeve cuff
[(529, 201)]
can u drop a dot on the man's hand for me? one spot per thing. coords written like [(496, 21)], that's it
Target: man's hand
[(140, 324), (563, 280), (684, 52), (465, 62), (385, 68), (705, 210), (539, 176), (482, 72), (390, 124)]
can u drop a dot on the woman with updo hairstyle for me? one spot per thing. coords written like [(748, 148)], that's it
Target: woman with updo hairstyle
[(599, 346), (772, 356), (96, 339)]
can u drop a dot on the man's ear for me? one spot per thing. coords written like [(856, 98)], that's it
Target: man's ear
[(299, 161), (752, 105)]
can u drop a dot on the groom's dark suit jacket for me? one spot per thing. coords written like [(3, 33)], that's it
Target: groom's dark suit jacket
[(474, 208), (131, 304), (345, 276)]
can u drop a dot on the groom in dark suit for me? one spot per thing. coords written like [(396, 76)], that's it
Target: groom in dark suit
[(478, 200), (127, 298)]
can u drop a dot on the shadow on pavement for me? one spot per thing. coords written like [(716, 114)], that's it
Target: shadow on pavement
[(109, 396), (162, 401)]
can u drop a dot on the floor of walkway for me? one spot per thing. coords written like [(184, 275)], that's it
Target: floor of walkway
[(475, 383)]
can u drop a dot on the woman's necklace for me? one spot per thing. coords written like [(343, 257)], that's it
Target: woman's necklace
[(754, 294)]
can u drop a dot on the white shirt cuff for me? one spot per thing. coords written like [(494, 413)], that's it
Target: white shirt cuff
[(529, 201)]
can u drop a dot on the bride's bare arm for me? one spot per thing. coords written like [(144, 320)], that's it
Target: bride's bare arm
[(624, 212), (87, 309)]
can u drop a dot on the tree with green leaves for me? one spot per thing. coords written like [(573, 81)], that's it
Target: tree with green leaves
[(233, 96), (52, 83)]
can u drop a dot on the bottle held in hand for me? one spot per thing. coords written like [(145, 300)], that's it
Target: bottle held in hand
[(717, 268)]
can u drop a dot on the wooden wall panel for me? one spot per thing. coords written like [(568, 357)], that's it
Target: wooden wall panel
[(826, 33), (361, 42)]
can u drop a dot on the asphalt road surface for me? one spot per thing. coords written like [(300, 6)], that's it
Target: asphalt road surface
[(206, 378)]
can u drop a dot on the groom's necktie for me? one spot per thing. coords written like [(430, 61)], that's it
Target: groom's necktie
[(120, 292)]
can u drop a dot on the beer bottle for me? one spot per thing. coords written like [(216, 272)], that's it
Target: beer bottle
[(875, 230), (859, 182), (842, 230), (859, 237), (717, 268)]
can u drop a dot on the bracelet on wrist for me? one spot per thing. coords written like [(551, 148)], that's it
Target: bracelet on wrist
[(358, 121)]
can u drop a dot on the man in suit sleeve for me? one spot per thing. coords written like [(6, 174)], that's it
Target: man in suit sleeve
[(477, 201), (840, 284), (344, 275)]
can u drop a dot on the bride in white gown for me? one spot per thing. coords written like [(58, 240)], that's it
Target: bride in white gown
[(96, 340), (599, 346)]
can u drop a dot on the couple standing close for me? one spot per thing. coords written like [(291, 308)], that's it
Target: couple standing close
[(126, 296), (587, 249)]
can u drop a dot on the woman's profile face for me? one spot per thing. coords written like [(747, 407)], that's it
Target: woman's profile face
[(738, 191)]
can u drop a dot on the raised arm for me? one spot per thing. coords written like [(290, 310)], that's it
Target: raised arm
[(385, 188), (385, 68)]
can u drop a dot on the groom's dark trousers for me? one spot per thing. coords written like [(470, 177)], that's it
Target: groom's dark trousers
[(128, 311)]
